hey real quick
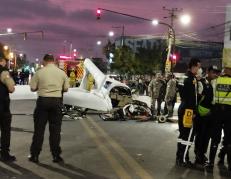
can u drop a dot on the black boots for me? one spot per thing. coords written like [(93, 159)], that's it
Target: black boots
[(6, 157), (180, 156), (33, 158), (221, 156), (57, 159)]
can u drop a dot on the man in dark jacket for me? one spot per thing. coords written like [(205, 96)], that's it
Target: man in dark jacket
[(203, 122), (186, 113)]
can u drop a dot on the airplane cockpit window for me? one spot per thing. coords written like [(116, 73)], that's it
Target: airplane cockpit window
[(107, 84), (120, 96)]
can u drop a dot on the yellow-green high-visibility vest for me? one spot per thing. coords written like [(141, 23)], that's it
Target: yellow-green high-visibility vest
[(222, 89)]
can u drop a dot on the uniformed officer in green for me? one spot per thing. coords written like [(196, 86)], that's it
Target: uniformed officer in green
[(154, 89), (170, 96), (222, 113), (49, 82), (6, 87)]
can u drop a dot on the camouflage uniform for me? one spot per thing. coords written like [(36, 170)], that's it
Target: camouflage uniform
[(154, 89), (170, 96)]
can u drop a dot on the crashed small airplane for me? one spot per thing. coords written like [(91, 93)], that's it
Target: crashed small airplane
[(106, 94)]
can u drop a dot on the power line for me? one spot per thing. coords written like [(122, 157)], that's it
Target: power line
[(172, 14), (204, 30)]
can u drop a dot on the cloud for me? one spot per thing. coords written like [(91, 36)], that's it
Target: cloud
[(14, 9)]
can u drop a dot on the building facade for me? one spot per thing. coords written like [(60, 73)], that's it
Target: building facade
[(210, 53)]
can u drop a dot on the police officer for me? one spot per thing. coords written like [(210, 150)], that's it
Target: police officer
[(49, 82), (203, 121), (186, 112), (222, 113), (6, 87)]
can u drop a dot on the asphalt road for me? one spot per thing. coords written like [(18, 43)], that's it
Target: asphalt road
[(97, 149)]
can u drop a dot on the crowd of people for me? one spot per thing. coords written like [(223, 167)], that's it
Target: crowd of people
[(20, 77), (161, 88)]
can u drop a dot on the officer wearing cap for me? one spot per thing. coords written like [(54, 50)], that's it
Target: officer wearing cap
[(203, 121), (221, 114), (6, 87), (49, 82)]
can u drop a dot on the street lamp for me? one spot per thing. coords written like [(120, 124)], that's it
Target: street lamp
[(6, 47), (185, 19), (111, 34), (98, 42), (171, 43), (9, 30)]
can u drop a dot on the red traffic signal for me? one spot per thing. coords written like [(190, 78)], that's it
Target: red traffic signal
[(98, 13), (174, 58)]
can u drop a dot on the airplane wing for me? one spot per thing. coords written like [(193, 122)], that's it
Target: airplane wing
[(23, 92)]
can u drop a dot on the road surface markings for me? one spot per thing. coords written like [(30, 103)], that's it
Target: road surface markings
[(117, 167), (134, 165)]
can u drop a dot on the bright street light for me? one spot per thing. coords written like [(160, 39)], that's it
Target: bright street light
[(111, 33), (21, 55), (9, 30), (185, 19), (155, 22), (111, 55), (99, 42), (6, 47)]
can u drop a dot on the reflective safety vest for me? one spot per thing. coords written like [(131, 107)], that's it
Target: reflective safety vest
[(222, 90)]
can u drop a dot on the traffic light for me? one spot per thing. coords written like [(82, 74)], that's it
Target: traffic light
[(98, 14), (74, 54), (174, 58)]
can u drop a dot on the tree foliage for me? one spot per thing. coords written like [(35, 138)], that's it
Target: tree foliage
[(144, 61), (124, 60), (150, 60)]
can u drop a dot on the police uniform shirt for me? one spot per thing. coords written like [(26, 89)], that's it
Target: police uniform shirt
[(222, 90), (50, 81), (189, 92), (6, 79)]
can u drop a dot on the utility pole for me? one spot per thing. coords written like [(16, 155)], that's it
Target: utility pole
[(172, 14), (122, 35)]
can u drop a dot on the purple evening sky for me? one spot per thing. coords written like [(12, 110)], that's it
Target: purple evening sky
[(66, 22)]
